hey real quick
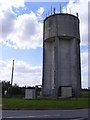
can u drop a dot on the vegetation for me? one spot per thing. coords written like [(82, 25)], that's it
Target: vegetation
[(42, 103), (18, 102), (16, 90)]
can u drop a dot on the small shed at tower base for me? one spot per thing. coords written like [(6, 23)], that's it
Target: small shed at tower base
[(30, 93)]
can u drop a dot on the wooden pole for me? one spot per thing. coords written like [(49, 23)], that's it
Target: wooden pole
[(12, 77)]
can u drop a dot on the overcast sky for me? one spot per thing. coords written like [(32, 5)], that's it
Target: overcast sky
[(21, 38)]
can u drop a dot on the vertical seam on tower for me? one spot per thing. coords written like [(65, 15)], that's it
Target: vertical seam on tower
[(57, 59)]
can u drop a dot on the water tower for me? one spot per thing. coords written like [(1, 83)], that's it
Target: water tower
[(61, 55)]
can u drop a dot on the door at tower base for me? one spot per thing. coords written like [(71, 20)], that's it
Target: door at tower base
[(66, 91), (53, 93)]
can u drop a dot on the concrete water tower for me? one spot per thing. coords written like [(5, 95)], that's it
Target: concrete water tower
[(61, 55)]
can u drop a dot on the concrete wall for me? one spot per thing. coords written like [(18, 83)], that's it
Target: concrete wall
[(68, 64), (61, 54), (48, 68), (64, 64), (61, 25)]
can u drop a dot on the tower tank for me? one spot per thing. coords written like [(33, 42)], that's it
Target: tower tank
[(61, 54)]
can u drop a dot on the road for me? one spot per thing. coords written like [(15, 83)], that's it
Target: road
[(77, 114)]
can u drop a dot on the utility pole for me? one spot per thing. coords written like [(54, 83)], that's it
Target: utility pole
[(12, 78)]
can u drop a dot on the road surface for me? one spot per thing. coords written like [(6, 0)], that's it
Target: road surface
[(77, 114)]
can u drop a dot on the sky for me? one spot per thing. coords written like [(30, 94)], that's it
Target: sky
[(21, 38)]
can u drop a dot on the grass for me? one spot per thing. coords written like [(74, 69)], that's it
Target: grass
[(15, 103), (21, 103)]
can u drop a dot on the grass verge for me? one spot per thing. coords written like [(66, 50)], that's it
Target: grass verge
[(18, 103), (71, 103)]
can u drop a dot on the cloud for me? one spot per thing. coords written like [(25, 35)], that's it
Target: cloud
[(4, 5), (89, 25), (24, 73), (40, 11), (0, 52), (84, 69), (8, 21), (89, 44), (89, 68), (21, 32), (28, 32)]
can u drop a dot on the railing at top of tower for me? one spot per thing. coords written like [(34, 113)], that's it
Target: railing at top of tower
[(53, 11)]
